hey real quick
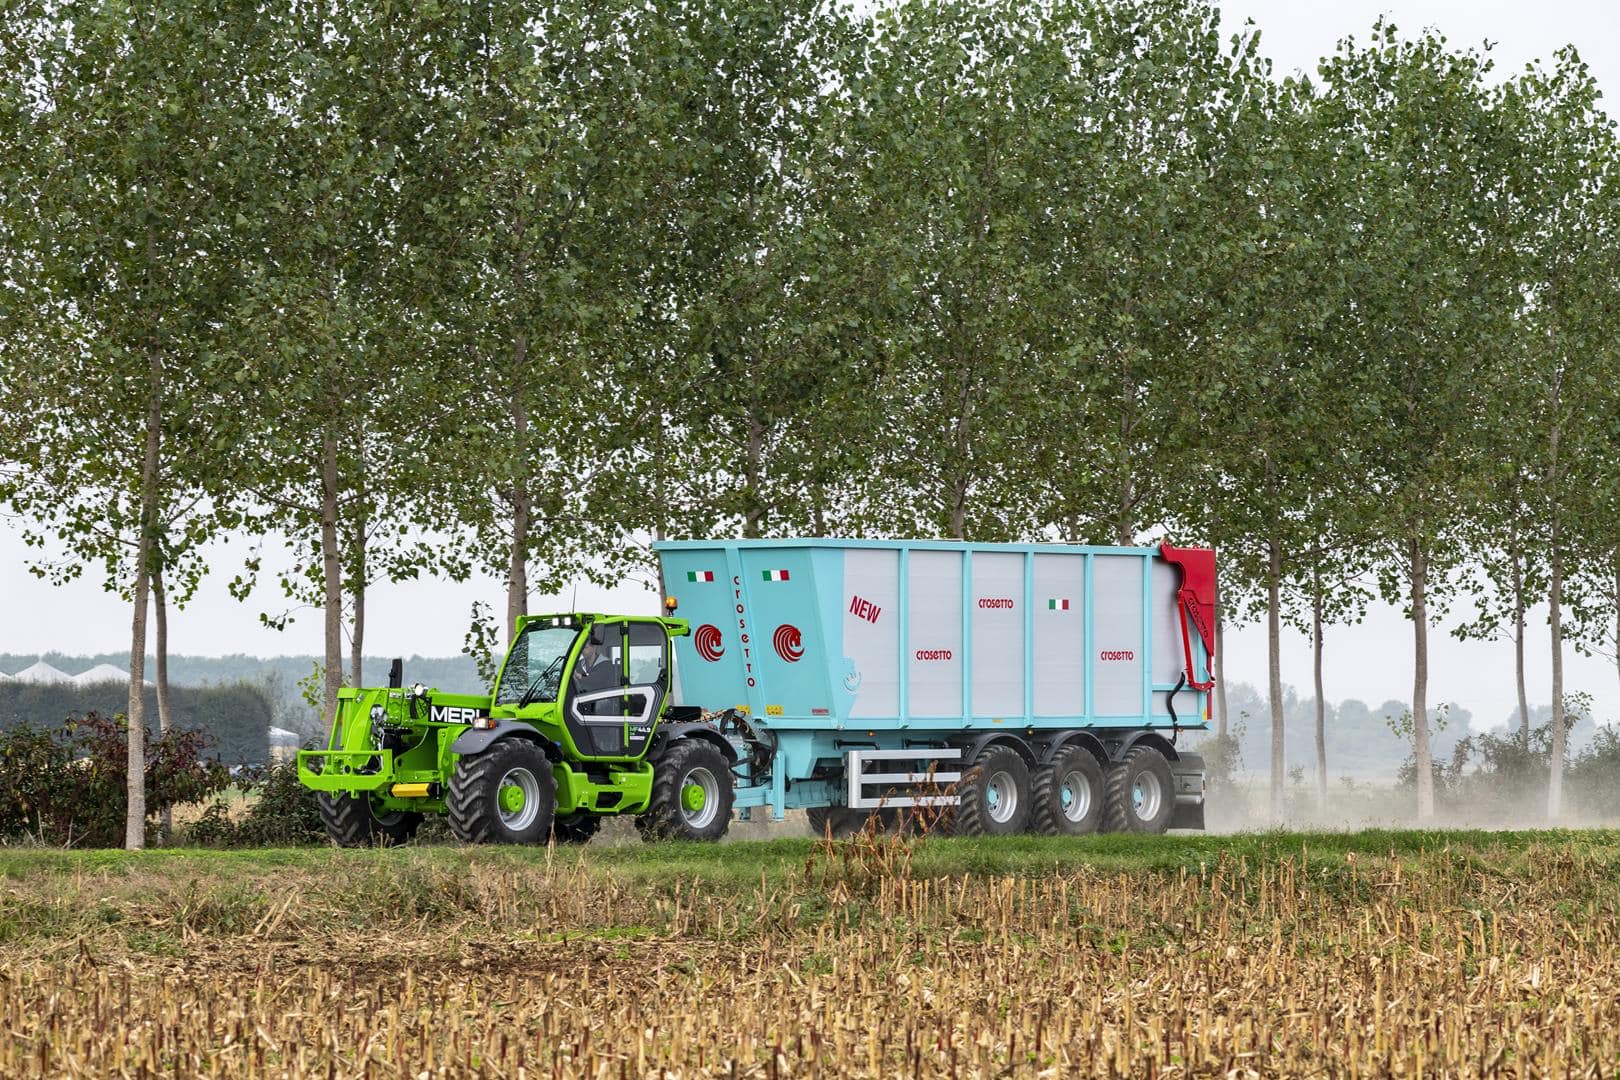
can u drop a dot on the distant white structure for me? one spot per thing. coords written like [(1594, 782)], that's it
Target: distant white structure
[(43, 674), (103, 673), (283, 744)]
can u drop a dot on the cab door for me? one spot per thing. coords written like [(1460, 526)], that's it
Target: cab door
[(612, 710)]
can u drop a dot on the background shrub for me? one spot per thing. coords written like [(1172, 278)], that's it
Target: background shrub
[(67, 785)]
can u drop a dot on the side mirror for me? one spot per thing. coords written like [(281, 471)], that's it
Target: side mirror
[(396, 674)]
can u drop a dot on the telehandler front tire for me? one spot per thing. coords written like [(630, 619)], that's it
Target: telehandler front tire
[(351, 821), (505, 795), (692, 793)]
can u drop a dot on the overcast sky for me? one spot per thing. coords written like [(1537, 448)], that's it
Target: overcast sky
[(1371, 661)]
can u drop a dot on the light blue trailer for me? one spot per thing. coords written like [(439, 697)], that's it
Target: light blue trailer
[(1040, 686)]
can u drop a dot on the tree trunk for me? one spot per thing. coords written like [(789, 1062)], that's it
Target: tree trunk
[(1555, 615), (160, 673), (1274, 671), (357, 596), (332, 576), (517, 571), (1420, 679), (753, 470), (1517, 555), (1617, 610), (1220, 671), (1321, 704), (1555, 618), (135, 816)]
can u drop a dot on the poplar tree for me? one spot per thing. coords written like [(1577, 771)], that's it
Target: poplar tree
[(126, 168), (1432, 307)]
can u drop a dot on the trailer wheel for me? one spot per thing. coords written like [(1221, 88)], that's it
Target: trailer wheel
[(692, 794), (846, 822), (1067, 794), (1141, 792), (576, 828), (505, 795), (995, 794), (351, 821)]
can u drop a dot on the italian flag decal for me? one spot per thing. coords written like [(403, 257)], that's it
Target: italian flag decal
[(700, 575), (1058, 604), (775, 575)]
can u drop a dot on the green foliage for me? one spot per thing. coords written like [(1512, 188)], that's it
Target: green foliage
[(281, 812), (66, 785)]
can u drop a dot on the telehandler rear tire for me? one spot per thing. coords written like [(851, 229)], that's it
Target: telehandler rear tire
[(692, 793), (351, 821), (505, 795)]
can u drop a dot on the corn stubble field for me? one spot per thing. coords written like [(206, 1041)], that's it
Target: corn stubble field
[(1370, 954)]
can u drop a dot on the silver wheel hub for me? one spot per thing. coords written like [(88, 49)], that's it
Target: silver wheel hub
[(1001, 797), (1075, 792), (1147, 796), (522, 815), (707, 804)]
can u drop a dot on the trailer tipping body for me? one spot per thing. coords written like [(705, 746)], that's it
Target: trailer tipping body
[(834, 647)]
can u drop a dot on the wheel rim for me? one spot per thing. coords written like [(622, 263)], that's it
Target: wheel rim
[(517, 797), (700, 797), (1147, 796), (1075, 792), (1001, 797)]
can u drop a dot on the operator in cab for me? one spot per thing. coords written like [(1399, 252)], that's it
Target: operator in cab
[(594, 671)]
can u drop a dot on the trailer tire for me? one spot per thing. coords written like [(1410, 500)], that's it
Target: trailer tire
[(576, 828), (846, 822), (1068, 794), (505, 795), (1141, 792), (351, 821), (994, 794), (692, 793)]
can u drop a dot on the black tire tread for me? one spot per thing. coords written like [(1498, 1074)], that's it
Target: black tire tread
[(970, 819), (347, 819), (844, 821), (662, 819), (576, 828), (351, 823), (1045, 810), (471, 815), (1117, 790)]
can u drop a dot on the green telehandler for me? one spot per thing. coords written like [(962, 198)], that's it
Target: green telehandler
[(578, 726)]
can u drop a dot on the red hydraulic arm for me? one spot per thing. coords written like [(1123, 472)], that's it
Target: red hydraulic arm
[(1197, 601)]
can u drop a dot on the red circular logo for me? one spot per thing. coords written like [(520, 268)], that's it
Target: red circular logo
[(789, 644), (707, 640)]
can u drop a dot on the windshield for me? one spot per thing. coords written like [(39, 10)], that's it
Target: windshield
[(534, 667)]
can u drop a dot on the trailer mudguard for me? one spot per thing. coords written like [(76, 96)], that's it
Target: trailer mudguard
[(1152, 738), (477, 740), (1188, 773), (1049, 748), (972, 748)]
